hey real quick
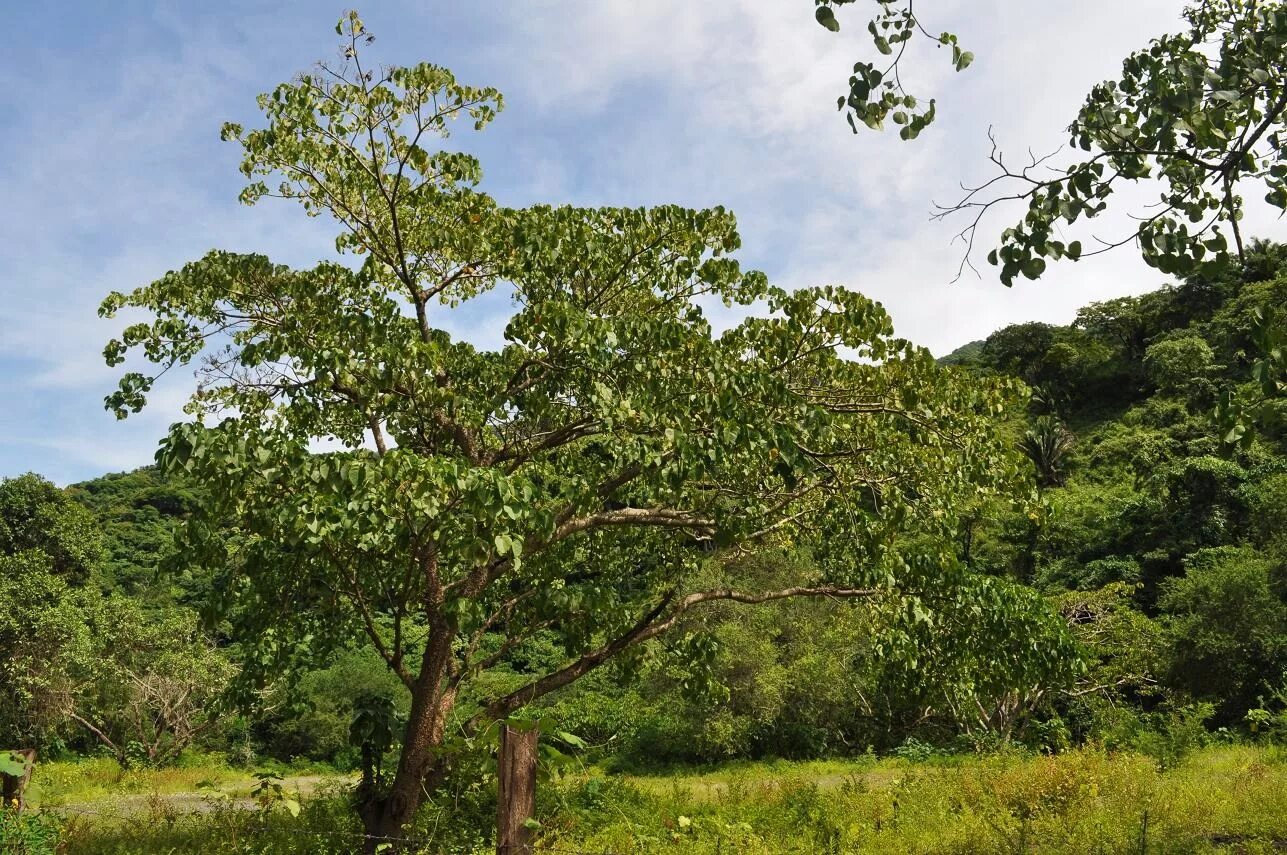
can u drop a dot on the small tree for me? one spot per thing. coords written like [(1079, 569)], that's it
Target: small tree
[(1174, 363), (571, 482), (1047, 444)]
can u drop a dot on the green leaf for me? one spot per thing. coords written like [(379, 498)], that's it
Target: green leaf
[(13, 765), (827, 18), (571, 739)]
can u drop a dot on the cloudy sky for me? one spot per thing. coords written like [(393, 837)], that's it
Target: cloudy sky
[(113, 172)]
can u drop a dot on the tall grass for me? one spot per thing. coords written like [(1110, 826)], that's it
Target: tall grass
[(99, 778), (1231, 798), (1218, 799)]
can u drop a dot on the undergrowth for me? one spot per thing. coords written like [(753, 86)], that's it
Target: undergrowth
[(1221, 798)]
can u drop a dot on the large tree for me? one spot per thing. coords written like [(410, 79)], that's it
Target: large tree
[(571, 482)]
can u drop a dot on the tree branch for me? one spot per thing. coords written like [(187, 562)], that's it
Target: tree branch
[(649, 626)]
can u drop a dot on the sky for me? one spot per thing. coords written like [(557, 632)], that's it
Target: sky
[(113, 172)]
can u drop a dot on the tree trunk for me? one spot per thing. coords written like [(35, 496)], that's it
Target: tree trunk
[(516, 799), (384, 817)]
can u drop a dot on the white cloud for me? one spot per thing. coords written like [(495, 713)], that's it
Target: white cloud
[(113, 180), (818, 204)]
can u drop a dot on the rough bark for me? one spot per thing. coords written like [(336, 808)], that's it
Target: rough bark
[(516, 799), (385, 817), (15, 785)]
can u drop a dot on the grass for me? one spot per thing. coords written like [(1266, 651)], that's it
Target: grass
[(1229, 798), (89, 782), (102, 778)]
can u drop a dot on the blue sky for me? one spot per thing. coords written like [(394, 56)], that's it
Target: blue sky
[(113, 171)]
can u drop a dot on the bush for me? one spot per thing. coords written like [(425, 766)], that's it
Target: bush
[(28, 833), (1228, 629), (1175, 362)]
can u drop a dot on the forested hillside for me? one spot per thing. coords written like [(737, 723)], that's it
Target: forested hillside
[(1149, 568), (481, 530)]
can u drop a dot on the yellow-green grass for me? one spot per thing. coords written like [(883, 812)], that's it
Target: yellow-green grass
[(1229, 798), (87, 781), (99, 778)]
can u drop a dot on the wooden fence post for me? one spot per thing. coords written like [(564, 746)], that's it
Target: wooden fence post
[(516, 798), (12, 787)]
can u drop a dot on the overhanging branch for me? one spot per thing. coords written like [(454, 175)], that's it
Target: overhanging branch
[(651, 625)]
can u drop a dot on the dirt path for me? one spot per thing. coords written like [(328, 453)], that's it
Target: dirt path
[(237, 793), (230, 793)]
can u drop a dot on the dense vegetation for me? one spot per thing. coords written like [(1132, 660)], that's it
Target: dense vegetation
[(1061, 550), (1157, 552)]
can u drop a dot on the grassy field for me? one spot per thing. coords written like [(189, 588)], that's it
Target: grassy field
[(1218, 799)]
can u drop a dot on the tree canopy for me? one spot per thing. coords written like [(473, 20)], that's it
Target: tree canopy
[(572, 481), (1202, 112)]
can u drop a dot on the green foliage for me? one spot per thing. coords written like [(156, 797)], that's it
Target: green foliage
[(155, 684), (1199, 112), (313, 718), (1229, 628), (46, 648), (1126, 655), (570, 484), (1047, 445), (28, 833), (77, 662), (876, 91), (137, 514), (1267, 509), (38, 518), (1175, 363), (811, 679)]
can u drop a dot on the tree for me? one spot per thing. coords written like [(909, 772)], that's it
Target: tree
[(36, 516), (1174, 363), (1047, 444), (49, 548), (1229, 628), (45, 649), (1237, 417), (154, 679), (876, 90), (573, 481), (1125, 651), (1200, 111)]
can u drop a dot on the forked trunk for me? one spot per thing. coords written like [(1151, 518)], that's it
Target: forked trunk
[(385, 817)]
